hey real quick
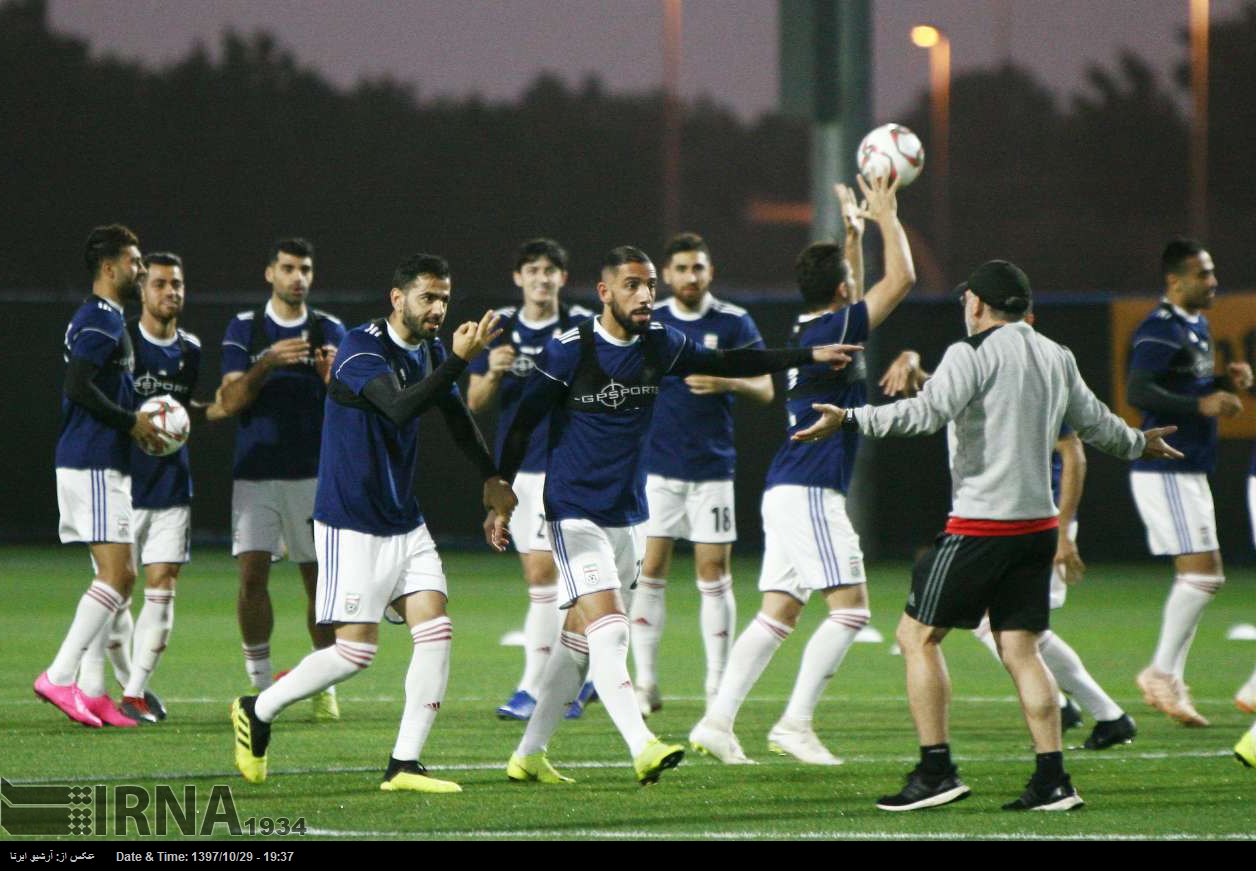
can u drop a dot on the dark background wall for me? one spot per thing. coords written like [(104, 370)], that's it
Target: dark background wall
[(900, 499)]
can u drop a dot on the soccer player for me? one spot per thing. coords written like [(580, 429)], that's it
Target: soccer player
[(1003, 393), (540, 273), (1172, 379), (374, 549), (809, 541), (1068, 474), (276, 362), (93, 472), (689, 464), (600, 381)]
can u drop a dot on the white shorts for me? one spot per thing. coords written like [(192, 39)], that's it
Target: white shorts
[(1251, 505), (699, 511), (162, 535), (359, 575), (1059, 589), (95, 506), (274, 516), (1176, 508), (527, 524), (809, 543), (592, 558)]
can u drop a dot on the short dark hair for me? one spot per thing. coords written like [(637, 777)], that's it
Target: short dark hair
[(535, 249), (617, 257), (419, 264), (683, 242), (819, 269), (1177, 252), (106, 243), (163, 258), (295, 245)]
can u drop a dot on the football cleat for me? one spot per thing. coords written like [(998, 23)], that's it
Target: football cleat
[(411, 776), (924, 791), (252, 737), (1108, 733), (1245, 750), (326, 708), (649, 700), (1070, 715), (518, 707), (1167, 694), (104, 708), (155, 704), (1245, 698), (69, 699), (1057, 797), (791, 738), (137, 709), (655, 758), (710, 739), (534, 768), (587, 694)]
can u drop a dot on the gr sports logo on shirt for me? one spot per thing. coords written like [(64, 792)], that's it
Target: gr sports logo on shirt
[(615, 394), (149, 384)]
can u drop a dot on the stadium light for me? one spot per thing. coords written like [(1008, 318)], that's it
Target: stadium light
[(934, 39)]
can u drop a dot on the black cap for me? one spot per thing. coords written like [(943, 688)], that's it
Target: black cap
[(1000, 285)]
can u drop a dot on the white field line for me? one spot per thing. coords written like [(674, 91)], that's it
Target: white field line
[(768, 834), (141, 777)]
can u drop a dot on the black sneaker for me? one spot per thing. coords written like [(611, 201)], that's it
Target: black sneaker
[(1111, 732), (155, 704), (1070, 715), (923, 790), (1057, 797)]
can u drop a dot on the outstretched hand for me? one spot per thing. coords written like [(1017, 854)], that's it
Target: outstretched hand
[(905, 376), (1157, 448), (852, 210), (471, 338), (837, 356), (880, 197), (830, 421)]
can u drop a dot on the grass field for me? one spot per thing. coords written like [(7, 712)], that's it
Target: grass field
[(1171, 783)]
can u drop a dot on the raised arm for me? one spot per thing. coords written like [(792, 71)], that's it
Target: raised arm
[(900, 273), (852, 245)]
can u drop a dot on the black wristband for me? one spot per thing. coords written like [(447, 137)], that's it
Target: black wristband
[(849, 424)]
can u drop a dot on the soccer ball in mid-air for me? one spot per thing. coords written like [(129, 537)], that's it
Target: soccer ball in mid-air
[(172, 419), (892, 151)]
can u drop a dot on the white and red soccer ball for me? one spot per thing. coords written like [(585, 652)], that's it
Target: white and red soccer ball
[(892, 151), (172, 419)]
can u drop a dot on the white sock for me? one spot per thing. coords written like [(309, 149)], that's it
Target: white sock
[(152, 632), (540, 629), (751, 655), (118, 647), (1074, 679), (608, 665), (95, 609), (560, 684), (91, 673), (257, 665), (426, 680), (985, 635), (648, 615), (315, 673), (1191, 593), (823, 656), (717, 615)]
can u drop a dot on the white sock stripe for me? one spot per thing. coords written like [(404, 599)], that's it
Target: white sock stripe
[(114, 597), (543, 595), (102, 599), (360, 655), (853, 618), (159, 597), (1209, 584), (780, 630), (573, 641), (652, 585), (440, 629), (715, 589), (604, 622)]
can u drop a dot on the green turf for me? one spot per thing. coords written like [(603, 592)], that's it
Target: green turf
[(1170, 782)]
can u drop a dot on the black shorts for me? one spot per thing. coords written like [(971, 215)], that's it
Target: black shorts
[(964, 576)]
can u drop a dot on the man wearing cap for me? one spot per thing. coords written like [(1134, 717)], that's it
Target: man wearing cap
[(1003, 393)]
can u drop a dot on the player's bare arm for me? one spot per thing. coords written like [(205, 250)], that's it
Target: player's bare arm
[(1072, 479), (241, 389), (758, 389), (905, 376), (482, 389), (900, 272), (324, 360), (852, 243)]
